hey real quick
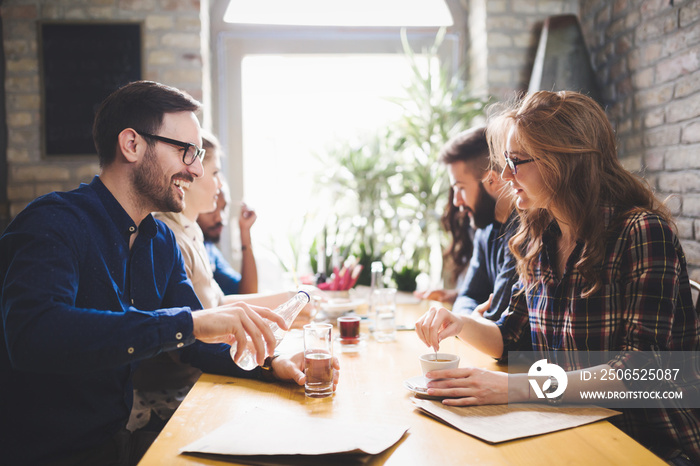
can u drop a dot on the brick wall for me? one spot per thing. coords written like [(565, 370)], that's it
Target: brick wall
[(171, 52), (504, 38), (647, 56)]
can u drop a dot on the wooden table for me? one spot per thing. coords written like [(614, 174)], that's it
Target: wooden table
[(371, 388)]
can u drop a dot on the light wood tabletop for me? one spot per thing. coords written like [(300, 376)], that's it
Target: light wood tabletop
[(371, 390)]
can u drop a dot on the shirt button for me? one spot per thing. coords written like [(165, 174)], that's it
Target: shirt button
[(132, 229), (178, 336), (180, 345), (130, 350)]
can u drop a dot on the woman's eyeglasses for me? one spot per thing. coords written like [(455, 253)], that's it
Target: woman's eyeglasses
[(192, 152), (513, 163)]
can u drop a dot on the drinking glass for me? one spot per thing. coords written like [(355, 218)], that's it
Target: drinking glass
[(384, 305), (318, 355)]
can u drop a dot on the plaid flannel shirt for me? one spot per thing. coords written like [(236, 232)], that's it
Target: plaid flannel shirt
[(644, 304)]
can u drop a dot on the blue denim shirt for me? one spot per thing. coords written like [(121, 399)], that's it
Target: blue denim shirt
[(491, 270), (226, 276), (79, 310)]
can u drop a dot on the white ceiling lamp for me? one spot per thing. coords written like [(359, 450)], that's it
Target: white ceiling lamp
[(391, 13)]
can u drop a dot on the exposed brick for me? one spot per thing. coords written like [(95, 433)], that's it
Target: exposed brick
[(691, 134), (22, 65), (672, 201), (45, 172), (17, 207), (654, 159), (191, 23), (184, 40), (155, 22), (98, 12), (632, 163), (138, 5), (687, 85), (18, 48), (654, 97), (651, 8), (86, 172), (683, 109), (19, 119), (684, 63), (44, 188), (655, 118), (615, 29), (690, 13), (22, 84), (671, 182), (76, 13), (649, 30), (694, 273), (161, 57), (602, 18), (497, 6), (623, 44), (682, 158), (18, 12), (180, 77), (23, 191), (23, 102), (500, 40), (685, 228), (17, 154), (692, 252), (680, 40), (619, 6), (633, 19), (662, 137), (691, 205), (178, 5)]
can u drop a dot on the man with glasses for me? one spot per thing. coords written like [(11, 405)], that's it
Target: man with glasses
[(92, 284), (479, 190)]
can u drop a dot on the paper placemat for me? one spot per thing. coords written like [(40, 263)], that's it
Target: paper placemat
[(264, 432), (500, 423)]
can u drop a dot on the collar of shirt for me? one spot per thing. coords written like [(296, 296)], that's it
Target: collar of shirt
[(121, 219), (191, 229)]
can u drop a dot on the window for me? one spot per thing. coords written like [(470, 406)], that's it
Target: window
[(282, 95)]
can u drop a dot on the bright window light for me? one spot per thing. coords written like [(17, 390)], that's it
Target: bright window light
[(398, 13), (322, 100)]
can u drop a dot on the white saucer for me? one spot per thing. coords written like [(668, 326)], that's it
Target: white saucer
[(418, 385)]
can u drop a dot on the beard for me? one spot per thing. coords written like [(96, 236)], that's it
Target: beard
[(485, 209), (212, 234), (152, 187)]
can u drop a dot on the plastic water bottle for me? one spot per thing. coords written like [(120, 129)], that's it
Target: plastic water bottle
[(289, 311)]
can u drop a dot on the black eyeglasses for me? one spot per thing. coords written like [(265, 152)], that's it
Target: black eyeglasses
[(512, 164), (192, 152)]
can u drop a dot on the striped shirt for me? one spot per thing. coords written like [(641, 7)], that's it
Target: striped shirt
[(644, 304)]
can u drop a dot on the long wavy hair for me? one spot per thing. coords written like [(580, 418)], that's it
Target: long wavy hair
[(461, 246), (469, 146), (573, 143)]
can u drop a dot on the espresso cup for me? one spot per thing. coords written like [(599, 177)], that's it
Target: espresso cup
[(428, 362)]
